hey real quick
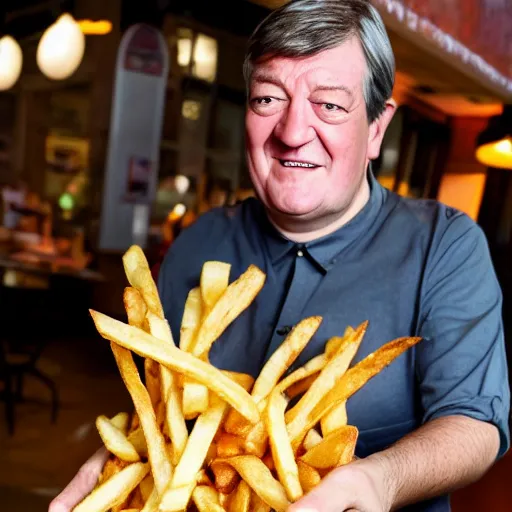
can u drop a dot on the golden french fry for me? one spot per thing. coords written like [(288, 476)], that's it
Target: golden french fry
[(135, 306), (312, 439), (258, 505), (139, 276), (115, 490), (226, 477), (195, 399), (206, 499), (282, 452), (115, 441), (152, 381), (335, 419), (301, 386), (137, 439), (174, 419), (202, 478), (355, 378), (191, 319), (146, 345), (111, 467), (334, 344), (224, 499), (328, 453), (214, 282), (256, 442), (332, 372), (309, 477), (160, 465), (241, 500), (121, 421), (237, 297), (229, 445), (146, 487), (284, 356), (260, 479), (136, 501), (274, 369), (152, 502), (178, 494)]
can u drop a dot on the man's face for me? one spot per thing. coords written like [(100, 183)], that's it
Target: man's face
[(308, 137)]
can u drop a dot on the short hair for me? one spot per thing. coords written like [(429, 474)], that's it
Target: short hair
[(302, 28)]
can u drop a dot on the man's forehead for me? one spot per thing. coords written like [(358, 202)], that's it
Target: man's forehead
[(342, 65)]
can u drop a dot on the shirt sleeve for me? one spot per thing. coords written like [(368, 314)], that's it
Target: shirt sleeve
[(461, 363)]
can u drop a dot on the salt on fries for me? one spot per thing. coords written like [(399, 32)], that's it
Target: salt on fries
[(248, 450)]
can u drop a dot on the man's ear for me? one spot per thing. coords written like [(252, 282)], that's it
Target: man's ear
[(378, 129)]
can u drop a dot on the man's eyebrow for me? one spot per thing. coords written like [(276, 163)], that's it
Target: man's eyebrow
[(267, 78), (342, 88)]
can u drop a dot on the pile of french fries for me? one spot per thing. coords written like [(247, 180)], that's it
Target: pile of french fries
[(256, 444)]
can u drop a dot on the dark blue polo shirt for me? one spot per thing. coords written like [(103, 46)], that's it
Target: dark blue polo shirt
[(409, 267)]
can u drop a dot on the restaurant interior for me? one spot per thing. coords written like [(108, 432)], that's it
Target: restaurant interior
[(65, 223)]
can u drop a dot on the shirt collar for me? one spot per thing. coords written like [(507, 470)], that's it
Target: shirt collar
[(325, 249)]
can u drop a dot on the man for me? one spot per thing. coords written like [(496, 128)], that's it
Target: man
[(334, 243)]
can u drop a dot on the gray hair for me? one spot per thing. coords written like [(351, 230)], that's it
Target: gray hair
[(303, 28)]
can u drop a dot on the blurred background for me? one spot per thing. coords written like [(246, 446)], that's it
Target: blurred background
[(122, 122)]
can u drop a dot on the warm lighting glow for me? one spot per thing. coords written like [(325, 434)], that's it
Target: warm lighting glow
[(191, 110), (205, 58), (181, 183), (11, 60), (496, 154), (184, 46), (177, 212), (95, 28), (61, 48)]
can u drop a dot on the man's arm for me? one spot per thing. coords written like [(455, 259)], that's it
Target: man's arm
[(441, 456)]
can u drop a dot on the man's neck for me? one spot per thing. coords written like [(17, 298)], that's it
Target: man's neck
[(301, 231)]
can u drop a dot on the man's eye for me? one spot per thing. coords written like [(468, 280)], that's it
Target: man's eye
[(331, 107), (265, 100)]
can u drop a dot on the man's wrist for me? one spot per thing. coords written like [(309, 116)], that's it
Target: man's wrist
[(385, 476)]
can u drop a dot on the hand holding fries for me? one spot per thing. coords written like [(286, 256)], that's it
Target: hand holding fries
[(247, 451)]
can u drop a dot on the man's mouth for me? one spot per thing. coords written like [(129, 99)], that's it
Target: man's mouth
[(295, 163)]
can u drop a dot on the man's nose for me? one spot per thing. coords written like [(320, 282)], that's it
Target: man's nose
[(294, 128)]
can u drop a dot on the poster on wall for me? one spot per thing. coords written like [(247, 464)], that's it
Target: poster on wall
[(134, 138)]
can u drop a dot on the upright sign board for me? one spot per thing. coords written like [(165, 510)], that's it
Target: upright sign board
[(134, 139)]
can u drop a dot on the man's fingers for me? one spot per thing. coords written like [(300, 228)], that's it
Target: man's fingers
[(81, 485)]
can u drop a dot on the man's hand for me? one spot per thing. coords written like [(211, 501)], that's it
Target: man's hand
[(360, 486), (81, 485)]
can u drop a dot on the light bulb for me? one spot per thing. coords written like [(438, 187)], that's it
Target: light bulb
[(61, 48), (181, 183), (11, 60)]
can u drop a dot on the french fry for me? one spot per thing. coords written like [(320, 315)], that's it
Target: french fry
[(152, 502), (355, 378), (333, 371), (115, 441), (115, 490), (206, 499), (135, 307), (332, 449), (301, 386), (191, 319), (160, 465), (309, 477), (174, 418), (214, 282), (177, 496), (241, 500), (229, 445), (280, 445), (111, 467), (237, 297), (336, 419), (146, 345), (226, 477), (333, 345), (195, 399), (258, 505), (139, 276), (137, 439), (260, 479), (146, 487), (312, 439), (202, 478), (121, 421)]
